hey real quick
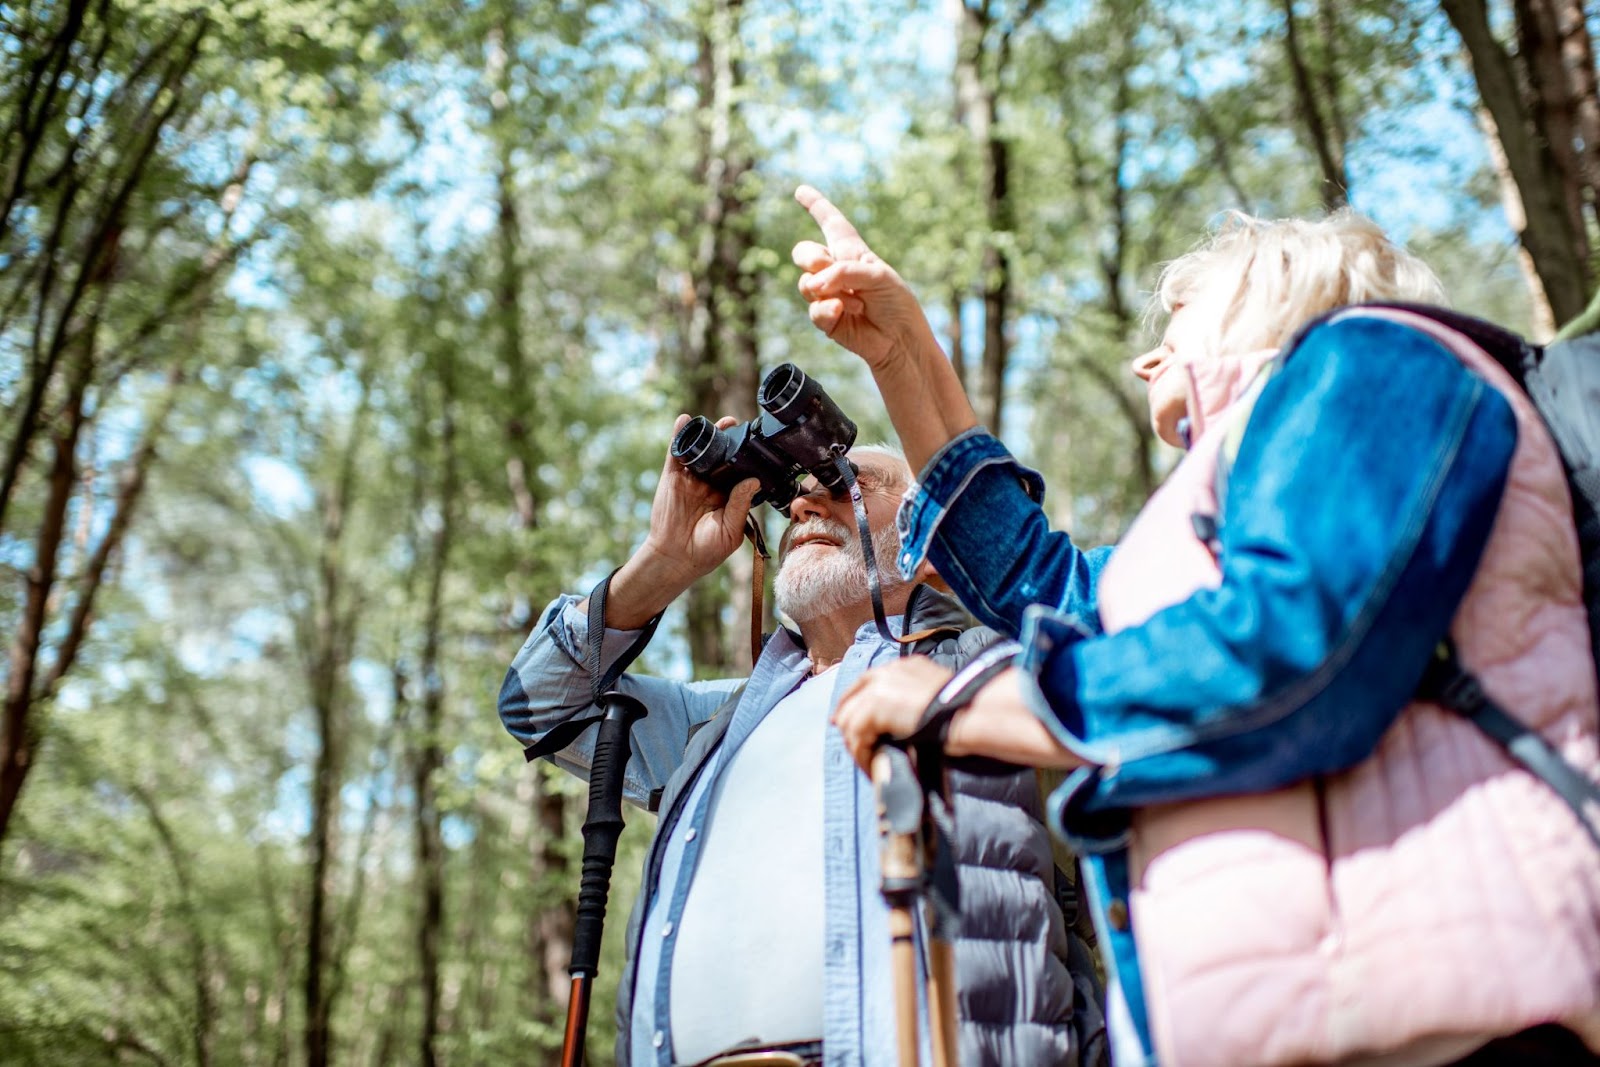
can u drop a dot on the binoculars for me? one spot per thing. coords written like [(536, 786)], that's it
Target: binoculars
[(799, 432)]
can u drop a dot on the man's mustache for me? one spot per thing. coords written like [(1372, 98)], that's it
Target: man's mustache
[(834, 531)]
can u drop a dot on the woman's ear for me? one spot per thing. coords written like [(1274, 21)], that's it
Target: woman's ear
[(928, 576)]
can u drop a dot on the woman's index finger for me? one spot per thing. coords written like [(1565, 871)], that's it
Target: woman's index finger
[(843, 239)]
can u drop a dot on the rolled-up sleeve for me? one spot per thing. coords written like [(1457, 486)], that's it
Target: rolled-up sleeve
[(548, 687), (975, 515)]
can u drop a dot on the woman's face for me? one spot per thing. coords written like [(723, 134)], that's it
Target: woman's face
[(1166, 390)]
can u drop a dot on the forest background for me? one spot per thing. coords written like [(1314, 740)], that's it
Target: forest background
[(337, 336)]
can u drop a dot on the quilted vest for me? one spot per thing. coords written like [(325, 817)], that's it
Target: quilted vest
[(1432, 897)]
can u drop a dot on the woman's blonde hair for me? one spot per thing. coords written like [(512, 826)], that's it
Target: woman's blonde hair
[(1274, 275)]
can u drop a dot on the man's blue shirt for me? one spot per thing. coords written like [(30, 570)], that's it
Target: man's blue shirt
[(547, 686)]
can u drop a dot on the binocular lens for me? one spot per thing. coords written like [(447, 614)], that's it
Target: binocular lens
[(782, 392), (700, 446)]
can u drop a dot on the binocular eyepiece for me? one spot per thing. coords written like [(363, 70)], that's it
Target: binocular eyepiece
[(799, 431)]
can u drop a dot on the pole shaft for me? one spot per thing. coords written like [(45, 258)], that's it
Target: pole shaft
[(903, 960), (577, 1022), (942, 1002)]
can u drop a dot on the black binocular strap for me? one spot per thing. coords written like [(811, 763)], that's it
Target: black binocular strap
[(874, 583), (599, 683), (758, 581)]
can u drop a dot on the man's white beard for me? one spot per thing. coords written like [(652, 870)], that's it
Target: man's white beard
[(819, 582)]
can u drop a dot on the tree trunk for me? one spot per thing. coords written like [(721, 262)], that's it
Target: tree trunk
[(330, 650), (552, 928), (324, 812), (1326, 136), (1547, 231), (975, 110), (1578, 62), (429, 760), (88, 232), (967, 83), (551, 915), (20, 737), (1541, 54), (958, 341), (1541, 320), (205, 1010), (722, 370), (522, 461), (997, 282), (979, 77)]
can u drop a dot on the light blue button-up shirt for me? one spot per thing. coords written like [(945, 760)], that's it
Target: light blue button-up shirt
[(548, 685)]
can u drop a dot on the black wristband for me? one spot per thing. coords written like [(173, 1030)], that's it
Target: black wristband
[(959, 691)]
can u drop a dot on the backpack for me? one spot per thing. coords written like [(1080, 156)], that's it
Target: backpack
[(1562, 379)]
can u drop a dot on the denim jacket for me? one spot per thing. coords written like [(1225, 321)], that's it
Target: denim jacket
[(1358, 505)]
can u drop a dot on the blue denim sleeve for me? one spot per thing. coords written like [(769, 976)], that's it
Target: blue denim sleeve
[(976, 517), (1364, 490), (548, 685)]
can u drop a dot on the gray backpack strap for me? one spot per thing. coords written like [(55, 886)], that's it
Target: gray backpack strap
[(1449, 684)]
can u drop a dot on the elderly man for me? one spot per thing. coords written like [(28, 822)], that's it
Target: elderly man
[(760, 925)]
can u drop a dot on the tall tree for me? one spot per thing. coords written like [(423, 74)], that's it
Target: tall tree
[(428, 756), (722, 354), (327, 640), (1316, 77), (1539, 101), (99, 89), (985, 33)]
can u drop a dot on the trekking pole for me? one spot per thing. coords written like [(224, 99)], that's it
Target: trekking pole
[(602, 826), (941, 995), (899, 817), (940, 887)]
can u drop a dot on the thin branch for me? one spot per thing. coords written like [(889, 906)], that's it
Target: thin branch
[(1334, 183), (128, 493), (60, 49)]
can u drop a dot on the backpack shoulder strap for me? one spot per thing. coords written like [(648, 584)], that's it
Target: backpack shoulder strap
[(1449, 684)]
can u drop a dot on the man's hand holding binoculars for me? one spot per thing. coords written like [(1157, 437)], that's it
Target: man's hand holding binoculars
[(693, 528)]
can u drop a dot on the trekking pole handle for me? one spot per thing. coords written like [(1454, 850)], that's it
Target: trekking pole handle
[(602, 826)]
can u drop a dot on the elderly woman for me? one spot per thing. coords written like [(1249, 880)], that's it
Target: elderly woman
[(1291, 858)]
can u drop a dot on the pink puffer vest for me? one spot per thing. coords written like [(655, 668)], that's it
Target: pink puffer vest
[(1432, 897)]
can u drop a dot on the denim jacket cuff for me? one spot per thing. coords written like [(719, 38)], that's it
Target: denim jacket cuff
[(941, 484), (1045, 632)]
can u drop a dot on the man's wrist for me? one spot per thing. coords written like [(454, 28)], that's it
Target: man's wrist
[(644, 586)]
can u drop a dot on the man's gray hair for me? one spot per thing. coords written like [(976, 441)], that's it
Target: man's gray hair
[(896, 455)]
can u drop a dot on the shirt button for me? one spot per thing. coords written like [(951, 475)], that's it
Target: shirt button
[(1117, 915), (666, 931), (691, 835), (658, 1039)]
